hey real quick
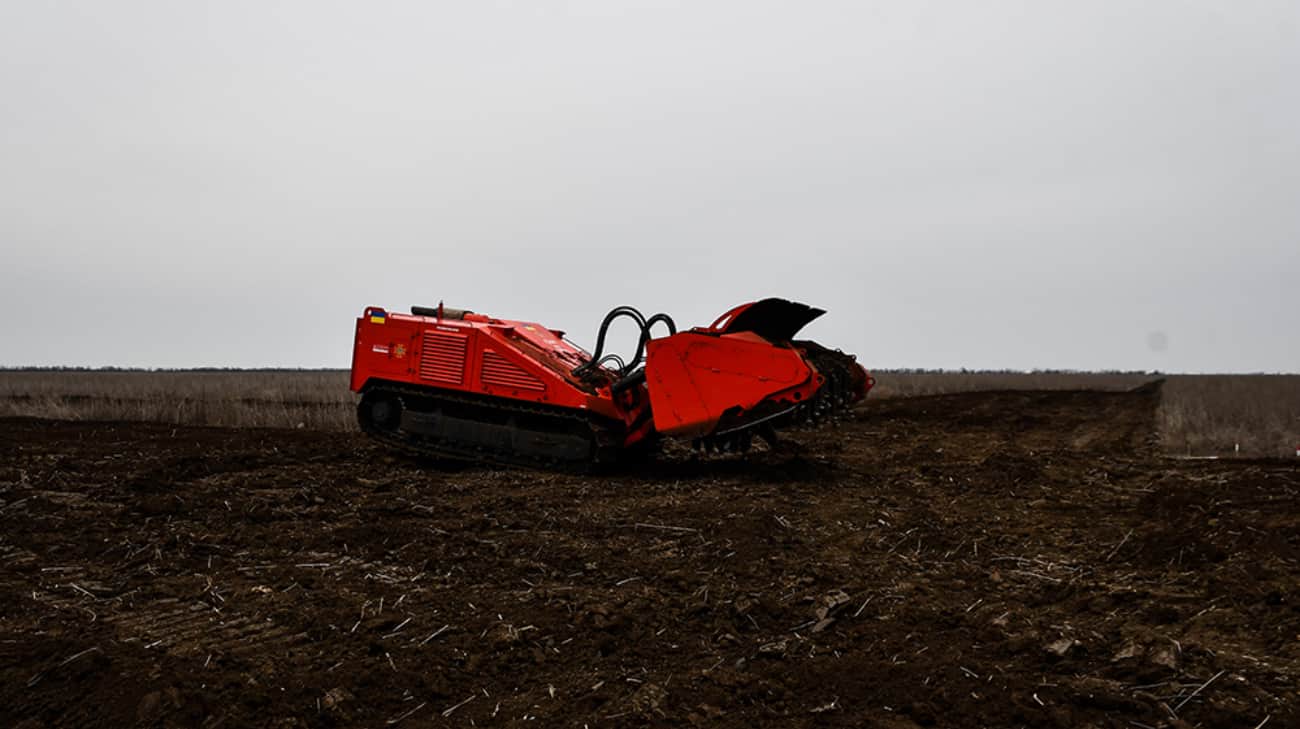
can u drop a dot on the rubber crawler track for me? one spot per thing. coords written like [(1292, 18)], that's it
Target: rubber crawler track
[(604, 438)]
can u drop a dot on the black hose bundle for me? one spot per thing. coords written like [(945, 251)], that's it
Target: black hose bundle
[(624, 368)]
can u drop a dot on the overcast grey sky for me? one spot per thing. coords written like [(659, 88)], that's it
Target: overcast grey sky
[(988, 184)]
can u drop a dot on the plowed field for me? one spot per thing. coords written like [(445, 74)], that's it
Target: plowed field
[(993, 559)]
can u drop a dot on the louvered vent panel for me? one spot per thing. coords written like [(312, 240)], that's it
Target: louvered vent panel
[(498, 370), (443, 357)]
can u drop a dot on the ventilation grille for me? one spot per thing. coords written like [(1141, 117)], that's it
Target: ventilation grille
[(443, 357), (498, 370)]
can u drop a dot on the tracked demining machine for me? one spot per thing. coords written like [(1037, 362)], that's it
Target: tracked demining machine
[(450, 383)]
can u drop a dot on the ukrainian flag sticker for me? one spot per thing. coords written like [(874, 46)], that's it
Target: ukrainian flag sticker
[(377, 317)]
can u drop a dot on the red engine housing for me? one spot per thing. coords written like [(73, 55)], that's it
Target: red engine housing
[(474, 353)]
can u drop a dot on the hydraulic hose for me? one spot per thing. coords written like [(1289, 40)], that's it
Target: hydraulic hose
[(624, 369), (630, 381), (615, 313), (645, 337)]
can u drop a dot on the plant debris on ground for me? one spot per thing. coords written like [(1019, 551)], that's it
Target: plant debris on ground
[(982, 559)]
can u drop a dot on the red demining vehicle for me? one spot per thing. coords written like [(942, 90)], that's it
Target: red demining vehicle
[(450, 383)]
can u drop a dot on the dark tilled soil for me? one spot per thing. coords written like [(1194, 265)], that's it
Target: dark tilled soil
[(994, 559)]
